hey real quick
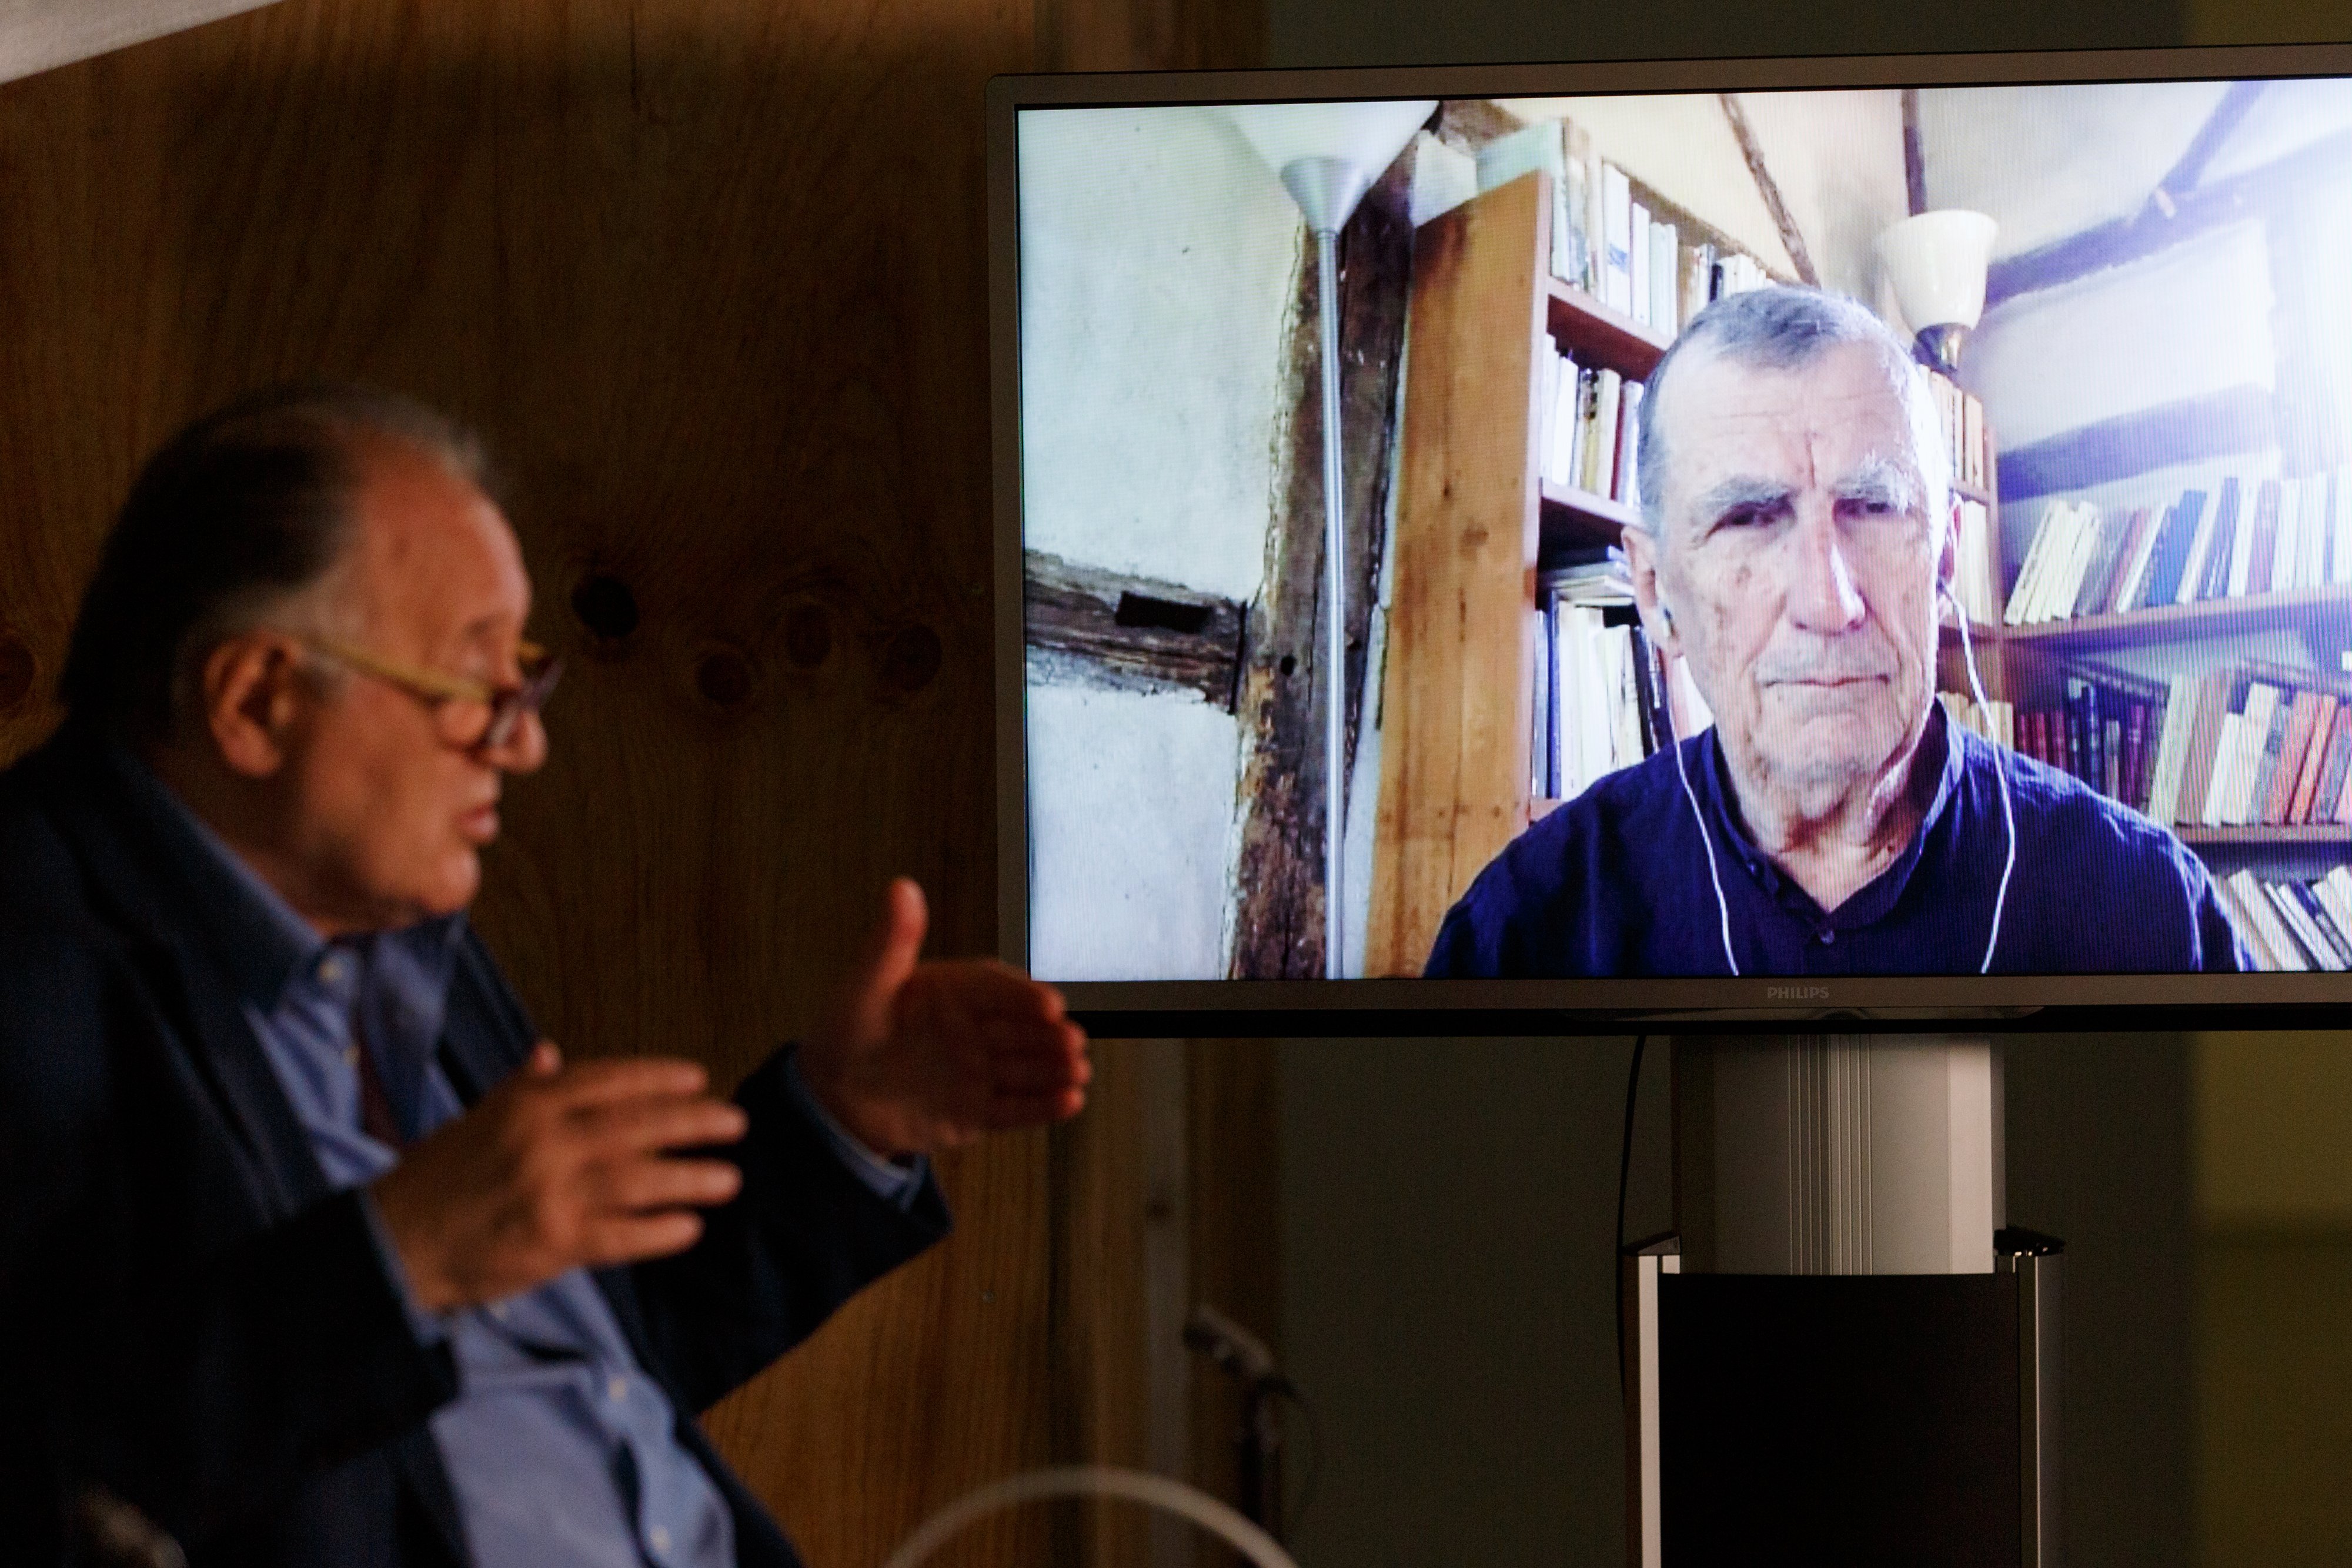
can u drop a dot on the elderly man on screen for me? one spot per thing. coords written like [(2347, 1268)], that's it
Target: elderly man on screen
[(312, 1253), (1797, 542)]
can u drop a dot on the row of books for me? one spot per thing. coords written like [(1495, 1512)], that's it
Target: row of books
[(1976, 581), (1608, 242), (2293, 923), (1604, 699), (1962, 418), (1588, 423), (2266, 536), (2245, 745), (2100, 733)]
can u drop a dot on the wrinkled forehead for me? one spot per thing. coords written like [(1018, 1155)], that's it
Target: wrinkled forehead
[(1852, 417), (433, 558)]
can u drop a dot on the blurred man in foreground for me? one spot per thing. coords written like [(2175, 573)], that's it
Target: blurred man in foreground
[(310, 1250)]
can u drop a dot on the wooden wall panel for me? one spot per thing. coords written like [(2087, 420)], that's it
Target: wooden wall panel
[(710, 273)]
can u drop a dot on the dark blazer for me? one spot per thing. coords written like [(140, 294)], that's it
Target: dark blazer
[(190, 1318)]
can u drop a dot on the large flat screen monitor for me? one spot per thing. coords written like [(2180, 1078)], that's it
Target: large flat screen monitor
[(1742, 540)]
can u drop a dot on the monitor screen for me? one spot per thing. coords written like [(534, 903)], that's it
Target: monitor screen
[(1734, 538)]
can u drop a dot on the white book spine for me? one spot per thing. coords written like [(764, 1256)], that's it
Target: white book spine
[(2284, 555), (2225, 763), (1637, 257), (2199, 549), (2030, 569), (2256, 897), (2083, 543), (2172, 751), (2242, 547), (1617, 215), (2240, 893), (2262, 708)]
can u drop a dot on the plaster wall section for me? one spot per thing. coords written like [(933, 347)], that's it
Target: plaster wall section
[(1159, 269)]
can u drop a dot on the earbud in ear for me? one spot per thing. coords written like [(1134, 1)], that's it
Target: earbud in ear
[(1666, 615)]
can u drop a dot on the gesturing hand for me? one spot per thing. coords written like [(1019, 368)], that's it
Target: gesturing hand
[(916, 1057), (556, 1168)]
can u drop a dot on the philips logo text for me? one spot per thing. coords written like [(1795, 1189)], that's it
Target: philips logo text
[(1797, 993)]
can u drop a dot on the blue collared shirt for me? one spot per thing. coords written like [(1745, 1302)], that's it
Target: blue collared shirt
[(1617, 882), (561, 1451)]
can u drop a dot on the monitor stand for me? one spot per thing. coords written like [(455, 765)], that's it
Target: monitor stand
[(1833, 1359), (1838, 1154)]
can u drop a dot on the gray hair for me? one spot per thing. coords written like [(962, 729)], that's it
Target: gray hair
[(1778, 328), (237, 517)]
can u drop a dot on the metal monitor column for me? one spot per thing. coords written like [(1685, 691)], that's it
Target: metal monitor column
[(1826, 1156)]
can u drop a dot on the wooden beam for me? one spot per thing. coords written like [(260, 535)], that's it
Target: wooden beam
[(1130, 633), (1915, 155), (1278, 925), (2258, 192), (2217, 425), (1782, 219), (2183, 175), (1467, 124)]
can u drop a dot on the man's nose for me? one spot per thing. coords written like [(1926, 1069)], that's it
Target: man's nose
[(1822, 596), (524, 749)]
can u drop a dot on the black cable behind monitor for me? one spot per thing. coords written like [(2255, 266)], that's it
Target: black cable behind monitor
[(1625, 1179)]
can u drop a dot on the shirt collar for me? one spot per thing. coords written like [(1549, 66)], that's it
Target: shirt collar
[(1874, 898), (264, 944)]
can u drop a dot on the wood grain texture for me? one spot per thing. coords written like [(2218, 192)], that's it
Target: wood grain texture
[(1278, 924), (1086, 626), (710, 275), (1454, 728), (1235, 1176)]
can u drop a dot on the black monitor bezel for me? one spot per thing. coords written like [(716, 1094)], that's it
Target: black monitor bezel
[(1610, 1006)]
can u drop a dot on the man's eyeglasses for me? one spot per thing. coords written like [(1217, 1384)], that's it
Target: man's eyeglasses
[(472, 716)]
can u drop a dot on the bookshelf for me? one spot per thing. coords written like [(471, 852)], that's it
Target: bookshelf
[(1473, 516), (2206, 618)]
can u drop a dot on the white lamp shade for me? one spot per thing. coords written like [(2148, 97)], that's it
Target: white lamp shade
[(1936, 262), (1327, 154)]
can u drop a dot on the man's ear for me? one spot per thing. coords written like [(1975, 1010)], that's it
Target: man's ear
[(1947, 559), (1641, 566), (253, 699)]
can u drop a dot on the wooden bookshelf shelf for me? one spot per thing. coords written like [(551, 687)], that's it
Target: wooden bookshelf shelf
[(1572, 517), (2206, 618), (1597, 334), (1979, 634), (2316, 834)]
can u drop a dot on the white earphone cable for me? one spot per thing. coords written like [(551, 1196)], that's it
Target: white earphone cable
[(2000, 775)]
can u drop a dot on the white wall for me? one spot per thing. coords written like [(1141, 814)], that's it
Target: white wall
[(1159, 262), (1132, 834), (1159, 267), (2185, 322)]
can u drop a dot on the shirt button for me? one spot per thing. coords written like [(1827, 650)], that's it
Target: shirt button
[(331, 970), (1828, 938), (351, 1056), (617, 1390), (498, 1311), (659, 1538)]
